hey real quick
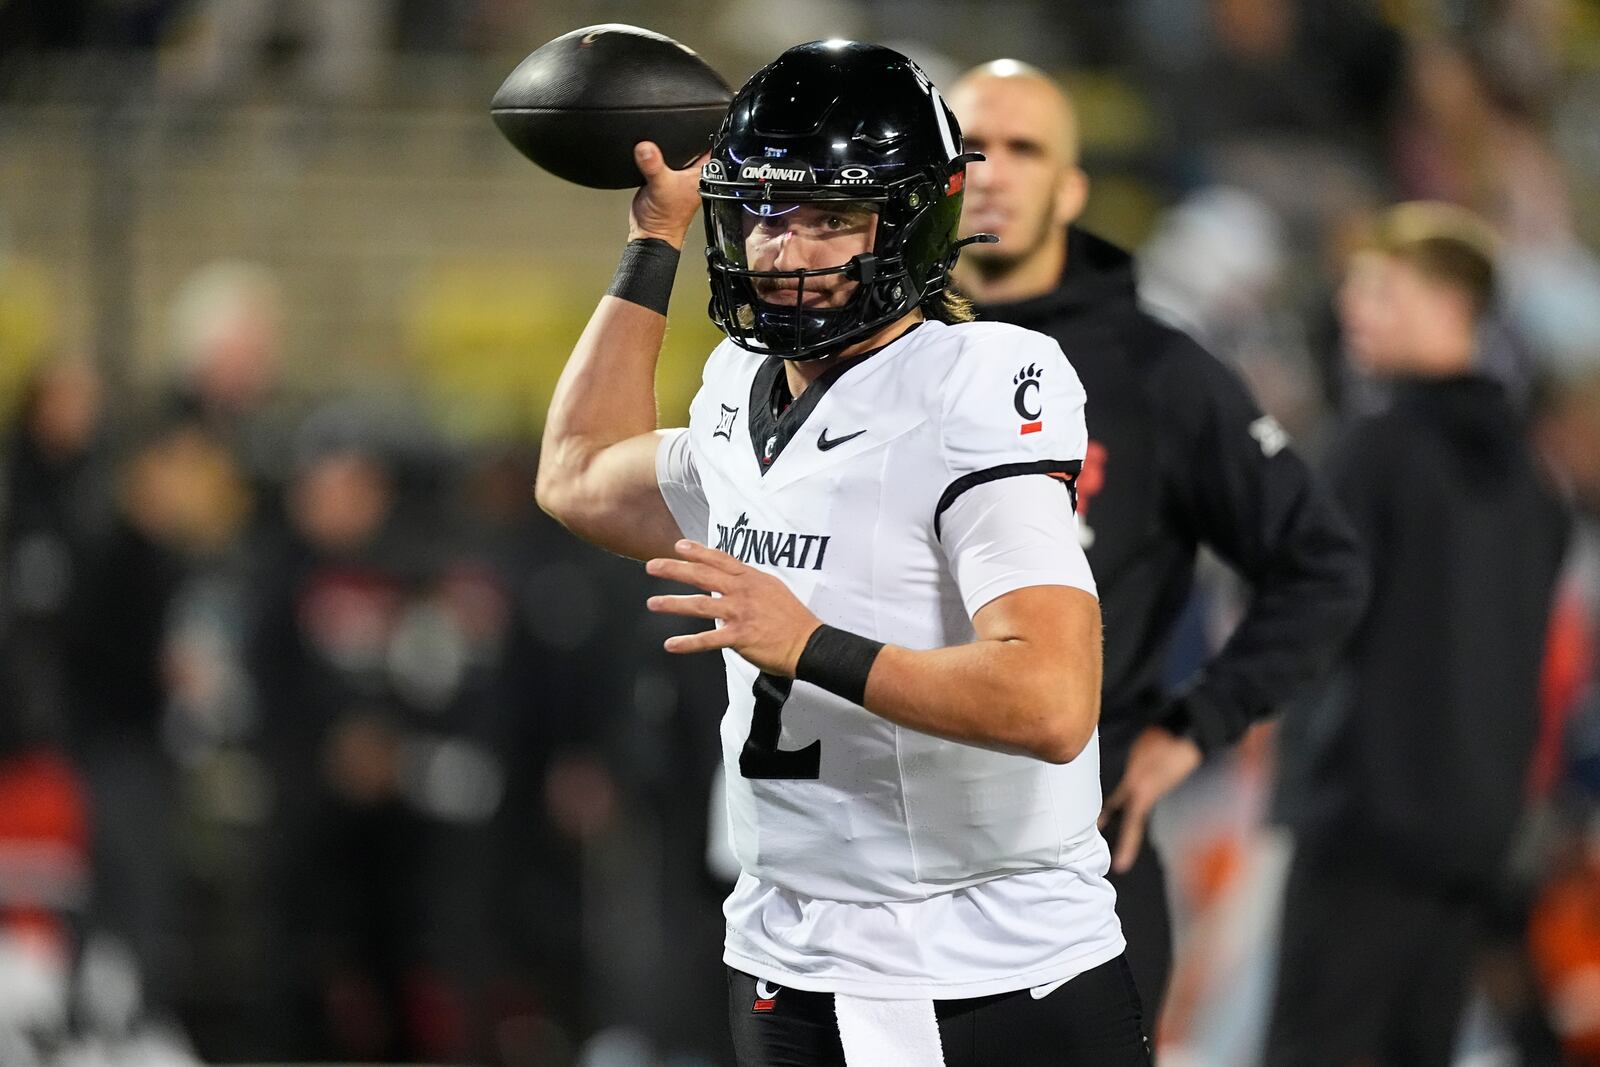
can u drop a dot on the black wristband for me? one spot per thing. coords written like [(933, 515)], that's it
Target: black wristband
[(838, 661), (644, 276)]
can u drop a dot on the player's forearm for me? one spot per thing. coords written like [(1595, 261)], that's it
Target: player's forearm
[(1011, 695), (606, 394)]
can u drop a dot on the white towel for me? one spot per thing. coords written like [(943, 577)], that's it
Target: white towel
[(888, 1033)]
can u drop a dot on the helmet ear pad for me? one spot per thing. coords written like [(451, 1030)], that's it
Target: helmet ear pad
[(924, 242)]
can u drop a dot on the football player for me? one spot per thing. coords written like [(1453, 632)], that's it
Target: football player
[(1179, 455), (873, 505)]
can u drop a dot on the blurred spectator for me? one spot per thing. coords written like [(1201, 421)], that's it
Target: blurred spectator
[(330, 602), (341, 45), (43, 890), (1569, 433), (226, 336), (56, 516), (50, 529), (609, 750), (1285, 99), (1179, 457), (1467, 136), (409, 713), (1415, 755), (1215, 268), (1564, 928), (1565, 933), (180, 501)]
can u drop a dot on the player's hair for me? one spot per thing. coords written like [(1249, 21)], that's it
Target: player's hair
[(1446, 243), (949, 305)]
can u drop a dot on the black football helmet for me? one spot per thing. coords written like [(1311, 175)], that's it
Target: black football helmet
[(834, 122)]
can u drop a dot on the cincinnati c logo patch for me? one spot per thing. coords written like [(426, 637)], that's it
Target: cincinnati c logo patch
[(1026, 399), (766, 995)]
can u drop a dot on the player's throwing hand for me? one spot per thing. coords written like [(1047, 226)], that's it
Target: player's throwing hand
[(759, 617), (666, 204)]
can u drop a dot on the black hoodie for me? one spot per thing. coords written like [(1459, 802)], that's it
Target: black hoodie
[(1422, 740), (1180, 456)]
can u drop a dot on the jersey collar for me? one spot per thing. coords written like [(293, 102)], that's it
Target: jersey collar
[(775, 417)]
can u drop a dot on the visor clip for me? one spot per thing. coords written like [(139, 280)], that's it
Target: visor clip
[(975, 239), (863, 268)]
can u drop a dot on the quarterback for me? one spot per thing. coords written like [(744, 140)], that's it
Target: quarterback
[(873, 504)]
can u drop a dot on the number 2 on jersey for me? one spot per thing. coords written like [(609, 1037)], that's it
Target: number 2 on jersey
[(762, 758)]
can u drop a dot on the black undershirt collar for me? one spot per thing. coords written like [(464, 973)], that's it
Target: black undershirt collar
[(776, 416)]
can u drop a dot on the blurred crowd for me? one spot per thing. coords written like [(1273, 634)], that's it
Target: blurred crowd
[(317, 720), (317, 740)]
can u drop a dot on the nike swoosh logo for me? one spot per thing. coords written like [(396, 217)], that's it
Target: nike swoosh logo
[(765, 991), (823, 442)]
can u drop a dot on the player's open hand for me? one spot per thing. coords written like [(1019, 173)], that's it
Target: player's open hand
[(1158, 761), (758, 616), (666, 205)]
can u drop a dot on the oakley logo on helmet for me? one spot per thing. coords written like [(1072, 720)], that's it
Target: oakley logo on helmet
[(713, 170), (853, 176), (766, 172)]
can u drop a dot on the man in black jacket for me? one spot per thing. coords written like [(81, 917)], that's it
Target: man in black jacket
[(1179, 456), (1417, 751)]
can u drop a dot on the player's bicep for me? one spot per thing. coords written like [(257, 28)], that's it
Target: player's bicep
[(1055, 632), (1062, 620), (620, 504), (1013, 548)]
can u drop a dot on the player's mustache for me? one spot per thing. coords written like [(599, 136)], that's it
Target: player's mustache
[(812, 287)]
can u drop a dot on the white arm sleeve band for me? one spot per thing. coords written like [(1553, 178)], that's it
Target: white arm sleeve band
[(679, 480), (1012, 533)]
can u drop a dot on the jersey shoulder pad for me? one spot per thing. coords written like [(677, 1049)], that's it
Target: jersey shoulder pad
[(728, 359), (724, 379), (1010, 397)]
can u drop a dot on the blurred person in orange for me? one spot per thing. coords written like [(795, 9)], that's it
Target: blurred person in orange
[(1564, 928), (1414, 756), (1565, 936)]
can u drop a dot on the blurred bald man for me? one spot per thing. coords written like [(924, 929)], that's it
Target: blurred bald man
[(1179, 456)]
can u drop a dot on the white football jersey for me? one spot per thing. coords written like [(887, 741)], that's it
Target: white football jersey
[(843, 497)]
